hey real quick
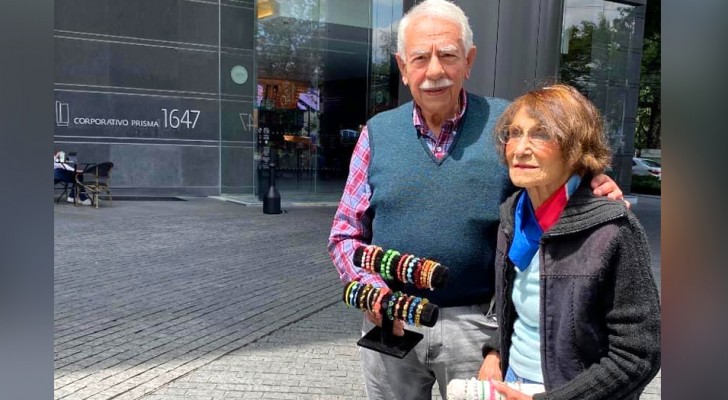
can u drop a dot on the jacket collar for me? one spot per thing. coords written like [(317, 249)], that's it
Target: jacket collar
[(584, 210)]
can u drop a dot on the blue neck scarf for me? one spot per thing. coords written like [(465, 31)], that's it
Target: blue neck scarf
[(527, 233), (527, 230)]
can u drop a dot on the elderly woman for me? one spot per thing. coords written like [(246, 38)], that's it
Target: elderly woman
[(576, 300)]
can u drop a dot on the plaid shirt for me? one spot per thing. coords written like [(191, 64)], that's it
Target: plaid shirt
[(352, 226)]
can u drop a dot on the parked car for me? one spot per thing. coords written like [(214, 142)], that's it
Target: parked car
[(645, 167)]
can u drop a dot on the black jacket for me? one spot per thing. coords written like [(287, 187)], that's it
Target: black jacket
[(600, 312)]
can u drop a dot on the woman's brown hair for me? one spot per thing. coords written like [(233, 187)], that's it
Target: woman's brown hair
[(571, 118)]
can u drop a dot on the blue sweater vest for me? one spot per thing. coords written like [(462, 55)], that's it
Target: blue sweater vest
[(446, 210)]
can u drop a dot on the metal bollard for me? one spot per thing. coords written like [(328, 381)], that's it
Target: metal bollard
[(272, 199)]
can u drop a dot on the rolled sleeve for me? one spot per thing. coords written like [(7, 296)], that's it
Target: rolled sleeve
[(352, 225)]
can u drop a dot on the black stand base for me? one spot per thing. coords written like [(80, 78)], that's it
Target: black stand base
[(395, 346)]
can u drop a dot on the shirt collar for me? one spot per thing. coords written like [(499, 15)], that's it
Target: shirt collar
[(421, 125)]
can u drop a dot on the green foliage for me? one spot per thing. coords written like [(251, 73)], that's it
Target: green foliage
[(646, 185), (649, 112)]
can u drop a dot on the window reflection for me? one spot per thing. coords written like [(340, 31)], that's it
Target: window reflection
[(323, 68), (595, 58)]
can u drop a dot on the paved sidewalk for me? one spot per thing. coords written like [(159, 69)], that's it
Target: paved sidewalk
[(205, 299)]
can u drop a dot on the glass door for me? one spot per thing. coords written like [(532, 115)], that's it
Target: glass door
[(315, 89)]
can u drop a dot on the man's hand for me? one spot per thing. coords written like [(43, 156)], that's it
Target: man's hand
[(491, 367), (510, 393), (603, 185), (376, 319)]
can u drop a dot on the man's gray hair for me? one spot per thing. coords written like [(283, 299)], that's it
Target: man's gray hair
[(436, 8)]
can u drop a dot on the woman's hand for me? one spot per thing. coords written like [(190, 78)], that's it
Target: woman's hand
[(510, 393), (376, 319), (491, 367)]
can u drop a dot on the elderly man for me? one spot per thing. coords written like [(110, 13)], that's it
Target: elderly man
[(425, 179)]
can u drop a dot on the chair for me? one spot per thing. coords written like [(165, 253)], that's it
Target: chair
[(61, 184), (97, 178)]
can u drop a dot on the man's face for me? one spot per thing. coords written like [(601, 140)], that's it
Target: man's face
[(435, 65)]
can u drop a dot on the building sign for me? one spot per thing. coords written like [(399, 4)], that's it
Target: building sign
[(170, 118), (102, 114)]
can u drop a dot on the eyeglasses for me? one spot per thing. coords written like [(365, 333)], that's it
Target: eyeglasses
[(537, 136)]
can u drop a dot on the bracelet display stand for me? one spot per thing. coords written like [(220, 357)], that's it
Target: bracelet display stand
[(396, 269), (384, 341)]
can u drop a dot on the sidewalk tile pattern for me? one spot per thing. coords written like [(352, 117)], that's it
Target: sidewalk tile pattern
[(204, 300)]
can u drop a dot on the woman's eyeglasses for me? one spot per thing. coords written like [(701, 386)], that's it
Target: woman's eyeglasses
[(537, 136)]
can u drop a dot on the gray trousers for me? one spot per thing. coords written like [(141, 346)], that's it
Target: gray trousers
[(450, 350)]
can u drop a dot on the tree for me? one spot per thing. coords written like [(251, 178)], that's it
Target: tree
[(649, 112)]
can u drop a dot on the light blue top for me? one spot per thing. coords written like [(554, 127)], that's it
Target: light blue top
[(525, 352)]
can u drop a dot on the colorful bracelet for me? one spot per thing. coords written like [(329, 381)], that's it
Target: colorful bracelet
[(405, 308), (354, 293), (385, 264), (346, 293), (378, 302), (418, 312), (411, 310)]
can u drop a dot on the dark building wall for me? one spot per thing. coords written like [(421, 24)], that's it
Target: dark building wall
[(147, 85), (517, 43)]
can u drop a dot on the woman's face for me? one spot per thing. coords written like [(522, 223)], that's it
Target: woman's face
[(534, 156)]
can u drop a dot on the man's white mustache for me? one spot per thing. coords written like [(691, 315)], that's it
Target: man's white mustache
[(438, 84)]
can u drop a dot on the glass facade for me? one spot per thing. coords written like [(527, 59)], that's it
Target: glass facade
[(600, 56), (199, 98), (323, 68)]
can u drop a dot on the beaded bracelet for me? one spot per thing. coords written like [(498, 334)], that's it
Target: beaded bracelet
[(346, 293), (405, 308), (378, 261), (352, 296), (378, 302), (390, 307), (395, 307), (390, 264), (382, 301), (430, 274), (362, 295), (368, 252), (426, 273), (354, 293), (411, 269), (370, 298), (427, 268), (411, 311), (418, 272), (399, 305), (400, 264), (382, 265), (391, 271), (418, 312), (408, 268), (386, 261), (366, 256), (365, 296), (405, 267)]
